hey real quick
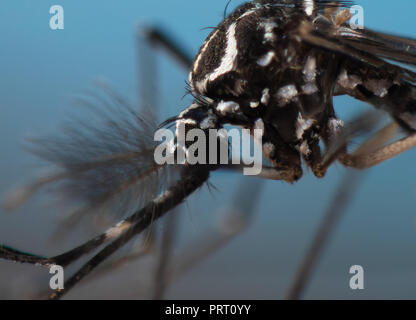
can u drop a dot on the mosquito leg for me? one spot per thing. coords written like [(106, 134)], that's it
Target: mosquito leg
[(156, 37), (65, 259), (150, 39), (192, 179), (9, 253), (333, 215), (335, 211), (104, 270), (165, 256), (367, 160), (121, 262), (235, 222), (379, 140), (160, 38), (374, 150), (337, 140), (371, 145), (70, 256)]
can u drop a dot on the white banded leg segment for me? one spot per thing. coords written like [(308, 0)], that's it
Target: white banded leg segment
[(117, 230)]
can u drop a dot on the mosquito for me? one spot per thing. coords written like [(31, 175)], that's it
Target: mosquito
[(269, 65)]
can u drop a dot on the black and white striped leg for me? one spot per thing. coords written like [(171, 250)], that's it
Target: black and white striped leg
[(193, 177)]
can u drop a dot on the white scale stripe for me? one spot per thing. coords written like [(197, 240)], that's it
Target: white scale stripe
[(114, 232), (203, 50), (227, 62), (231, 45), (309, 6)]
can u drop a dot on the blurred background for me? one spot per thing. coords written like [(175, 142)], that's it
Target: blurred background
[(41, 71)]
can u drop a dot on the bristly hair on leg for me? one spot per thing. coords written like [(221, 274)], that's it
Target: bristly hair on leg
[(104, 165)]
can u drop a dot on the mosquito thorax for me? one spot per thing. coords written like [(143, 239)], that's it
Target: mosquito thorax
[(253, 63), (238, 57)]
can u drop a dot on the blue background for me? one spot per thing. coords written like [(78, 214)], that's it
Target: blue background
[(42, 70)]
